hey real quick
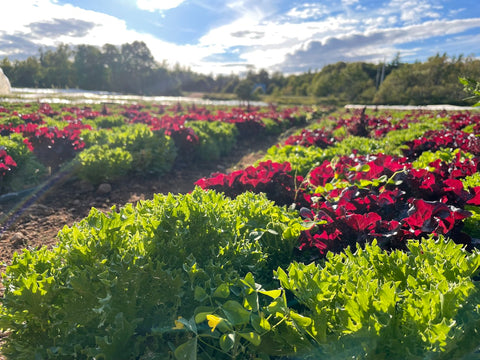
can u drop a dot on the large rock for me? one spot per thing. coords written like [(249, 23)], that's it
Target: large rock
[(5, 87)]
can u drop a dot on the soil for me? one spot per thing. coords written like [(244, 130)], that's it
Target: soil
[(35, 219)]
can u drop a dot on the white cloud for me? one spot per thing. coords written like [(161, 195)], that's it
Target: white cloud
[(349, 2), (413, 11), (23, 36), (371, 46), (308, 11), (158, 5)]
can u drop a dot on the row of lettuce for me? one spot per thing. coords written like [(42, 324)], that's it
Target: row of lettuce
[(355, 238), (108, 143)]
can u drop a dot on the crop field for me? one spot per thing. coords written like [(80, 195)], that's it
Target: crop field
[(353, 234)]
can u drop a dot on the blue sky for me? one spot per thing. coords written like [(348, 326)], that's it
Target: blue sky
[(231, 36)]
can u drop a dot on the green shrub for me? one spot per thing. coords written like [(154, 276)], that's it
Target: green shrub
[(378, 305), (115, 283)]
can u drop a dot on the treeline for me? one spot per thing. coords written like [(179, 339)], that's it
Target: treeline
[(131, 68), (435, 81)]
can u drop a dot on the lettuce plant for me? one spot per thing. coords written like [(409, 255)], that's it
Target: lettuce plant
[(101, 163), (372, 304), (216, 139), (115, 283), (151, 152)]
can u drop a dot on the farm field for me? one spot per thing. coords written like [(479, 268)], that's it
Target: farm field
[(32, 213), (289, 232)]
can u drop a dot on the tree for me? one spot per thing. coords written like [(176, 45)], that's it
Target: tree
[(137, 67), (27, 73), (91, 72), (57, 68), (471, 87), (112, 61), (432, 82), (244, 90)]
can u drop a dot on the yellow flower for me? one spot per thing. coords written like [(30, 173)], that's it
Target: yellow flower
[(178, 324), (213, 321)]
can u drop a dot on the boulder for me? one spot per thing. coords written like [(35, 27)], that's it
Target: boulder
[(5, 87)]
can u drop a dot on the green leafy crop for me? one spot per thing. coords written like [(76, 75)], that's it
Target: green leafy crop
[(377, 305), (445, 155), (134, 149), (115, 283), (216, 139), (102, 163)]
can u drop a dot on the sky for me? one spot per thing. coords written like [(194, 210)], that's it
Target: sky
[(232, 36)]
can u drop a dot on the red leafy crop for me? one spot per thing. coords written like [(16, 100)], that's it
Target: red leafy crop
[(268, 177), (46, 109), (432, 217), (52, 146), (83, 113), (322, 174), (461, 120), (416, 203), (437, 139), (457, 168), (474, 196), (6, 162), (362, 222), (318, 137), (33, 118), (355, 168)]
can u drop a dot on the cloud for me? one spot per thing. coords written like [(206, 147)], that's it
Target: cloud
[(18, 45), (371, 46), (158, 5), (57, 27), (254, 35), (413, 11), (308, 11), (349, 2)]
